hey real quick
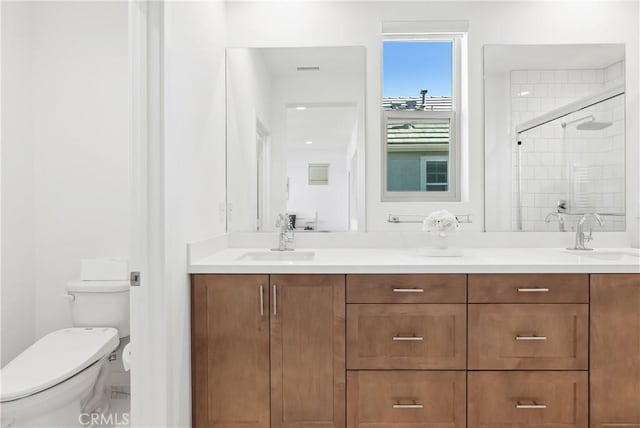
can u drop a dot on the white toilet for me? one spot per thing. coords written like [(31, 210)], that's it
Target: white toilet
[(59, 380)]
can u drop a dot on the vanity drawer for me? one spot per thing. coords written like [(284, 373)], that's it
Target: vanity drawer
[(406, 399), (529, 288), (406, 288), (424, 336), (528, 399), (528, 336)]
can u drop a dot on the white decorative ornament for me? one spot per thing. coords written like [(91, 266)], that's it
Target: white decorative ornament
[(440, 224)]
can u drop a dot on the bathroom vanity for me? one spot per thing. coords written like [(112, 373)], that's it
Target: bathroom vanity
[(550, 342)]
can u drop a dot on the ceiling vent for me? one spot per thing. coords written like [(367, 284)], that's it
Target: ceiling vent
[(308, 68)]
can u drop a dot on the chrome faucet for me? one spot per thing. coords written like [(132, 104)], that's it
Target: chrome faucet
[(560, 217), (582, 237), (559, 213), (286, 235)]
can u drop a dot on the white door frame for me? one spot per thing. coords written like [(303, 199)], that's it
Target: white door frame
[(149, 377)]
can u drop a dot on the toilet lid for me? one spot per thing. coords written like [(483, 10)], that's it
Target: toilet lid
[(55, 358)]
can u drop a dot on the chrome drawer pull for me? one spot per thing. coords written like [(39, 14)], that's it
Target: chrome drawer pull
[(534, 405), (533, 290), (275, 300), (620, 425), (408, 290), (407, 338), (534, 337), (408, 406), (261, 301)]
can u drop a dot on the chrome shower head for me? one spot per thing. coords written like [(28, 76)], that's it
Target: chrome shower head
[(590, 125), (593, 125)]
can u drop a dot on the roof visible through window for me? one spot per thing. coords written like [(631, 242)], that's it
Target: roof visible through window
[(410, 68)]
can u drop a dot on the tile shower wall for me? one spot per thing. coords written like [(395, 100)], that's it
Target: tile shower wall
[(586, 168)]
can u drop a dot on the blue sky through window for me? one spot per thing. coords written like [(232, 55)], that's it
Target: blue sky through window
[(409, 66)]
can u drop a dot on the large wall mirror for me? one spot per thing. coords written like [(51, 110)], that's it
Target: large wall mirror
[(554, 136), (295, 138)]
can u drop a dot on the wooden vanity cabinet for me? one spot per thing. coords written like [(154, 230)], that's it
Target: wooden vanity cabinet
[(615, 351), (406, 351), (525, 351), (308, 351), (528, 351), (230, 351), (268, 351)]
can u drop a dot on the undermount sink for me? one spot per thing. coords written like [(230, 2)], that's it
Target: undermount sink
[(278, 256), (604, 254)]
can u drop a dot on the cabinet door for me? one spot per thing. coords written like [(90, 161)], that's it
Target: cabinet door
[(230, 351), (307, 351), (615, 350)]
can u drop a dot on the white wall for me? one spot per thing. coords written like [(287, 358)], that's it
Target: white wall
[(358, 23), (194, 172), (249, 87), (65, 155), (329, 201), (498, 147), (18, 279), (79, 123), (323, 89)]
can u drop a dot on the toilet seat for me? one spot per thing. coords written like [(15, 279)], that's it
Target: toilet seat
[(55, 358)]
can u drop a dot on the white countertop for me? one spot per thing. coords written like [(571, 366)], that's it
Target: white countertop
[(411, 260)]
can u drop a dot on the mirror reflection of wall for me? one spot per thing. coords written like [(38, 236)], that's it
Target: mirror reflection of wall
[(565, 105), (289, 109), (322, 141)]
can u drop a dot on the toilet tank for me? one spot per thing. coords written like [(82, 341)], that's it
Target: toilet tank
[(100, 304), (101, 298)]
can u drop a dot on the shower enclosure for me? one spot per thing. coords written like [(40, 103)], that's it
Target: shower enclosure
[(569, 162), (554, 136)]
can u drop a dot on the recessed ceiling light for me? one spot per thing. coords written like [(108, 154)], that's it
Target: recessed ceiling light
[(524, 93), (301, 108), (308, 142)]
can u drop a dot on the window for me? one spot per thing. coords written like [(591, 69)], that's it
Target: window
[(420, 107), (318, 174), (434, 173)]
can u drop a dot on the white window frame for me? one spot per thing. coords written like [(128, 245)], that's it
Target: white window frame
[(454, 193)]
